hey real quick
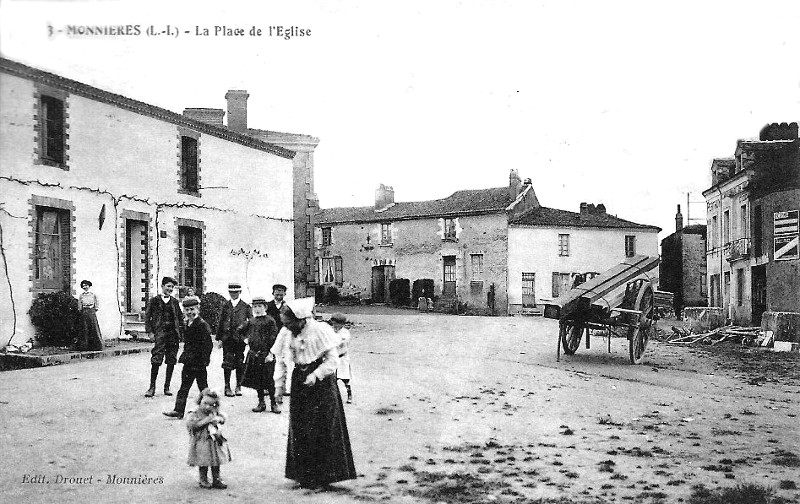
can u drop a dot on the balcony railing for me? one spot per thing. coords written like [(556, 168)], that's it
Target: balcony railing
[(738, 249)]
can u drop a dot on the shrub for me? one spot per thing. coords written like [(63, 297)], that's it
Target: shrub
[(422, 287), (326, 294), (400, 291), (211, 305), (56, 318)]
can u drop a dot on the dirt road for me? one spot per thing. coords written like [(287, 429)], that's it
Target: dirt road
[(446, 409)]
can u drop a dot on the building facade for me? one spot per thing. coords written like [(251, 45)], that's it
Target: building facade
[(548, 249), (102, 187), (754, 198), (682, 270), (460, 242)]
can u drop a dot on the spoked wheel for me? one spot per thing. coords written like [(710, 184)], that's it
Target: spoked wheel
[(570, 333), (643, 326)]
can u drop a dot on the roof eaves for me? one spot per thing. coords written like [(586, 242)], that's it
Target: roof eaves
[(79, 88)]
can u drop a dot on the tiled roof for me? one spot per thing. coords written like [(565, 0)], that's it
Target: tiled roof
[(552, 217), (469, 202), (123, 102)]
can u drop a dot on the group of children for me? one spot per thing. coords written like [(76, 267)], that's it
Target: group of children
[(241, 326)]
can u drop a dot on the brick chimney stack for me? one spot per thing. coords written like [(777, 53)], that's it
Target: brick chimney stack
[(678, 220), (384, 197), (237, 110), (514, 184)]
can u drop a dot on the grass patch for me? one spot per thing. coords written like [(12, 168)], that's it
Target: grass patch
[(786, 459), (383, 411), (740, 494)]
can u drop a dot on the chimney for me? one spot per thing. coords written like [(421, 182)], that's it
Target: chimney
[(584, 208), (384, 197), (514, 184), (237, 110), (678, 220), (207, 115), (600, 209)]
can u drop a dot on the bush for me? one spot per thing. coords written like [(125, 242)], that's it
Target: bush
[(326, 294), (400, 291), (211, 305), (56, 318), (422, 287)]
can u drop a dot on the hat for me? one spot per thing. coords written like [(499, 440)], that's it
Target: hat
[(167, 280), (190, 301), (258, 300), (86, 282), (339, 318), (302, 308), (278, 286), (235, 287)]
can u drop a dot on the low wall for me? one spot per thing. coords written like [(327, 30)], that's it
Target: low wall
[(785, 327), (703, 318)]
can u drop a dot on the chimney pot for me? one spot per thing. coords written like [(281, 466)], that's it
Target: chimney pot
[(384, 197), (678, 220), (584, 208)]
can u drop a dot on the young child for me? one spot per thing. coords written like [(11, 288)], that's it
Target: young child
[(338, 320), (260, 332), (207, 446)]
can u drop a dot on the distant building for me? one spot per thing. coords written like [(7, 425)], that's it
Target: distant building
[(99, 186), (497, 250), (752, 211), (549, 249), (682, 270)]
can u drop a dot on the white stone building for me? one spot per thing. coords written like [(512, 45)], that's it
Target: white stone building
[(98, 186), (548, 248)]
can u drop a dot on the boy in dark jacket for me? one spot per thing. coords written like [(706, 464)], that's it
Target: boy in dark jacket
[(164, 320), (260, 332), (195, 357), (234, 313)]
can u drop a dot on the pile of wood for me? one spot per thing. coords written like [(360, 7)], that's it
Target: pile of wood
[(747, 336)]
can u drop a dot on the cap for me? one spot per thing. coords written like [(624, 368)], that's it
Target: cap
[(235, 287), (258, 300), (339, 318), (190, 301)]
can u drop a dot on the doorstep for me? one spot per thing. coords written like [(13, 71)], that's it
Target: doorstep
[(14, 361)]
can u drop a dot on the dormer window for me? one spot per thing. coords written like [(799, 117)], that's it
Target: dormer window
[(449, 228)]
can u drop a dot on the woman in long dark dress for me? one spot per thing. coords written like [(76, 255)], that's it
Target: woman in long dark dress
[(318, 449), (90, 338)]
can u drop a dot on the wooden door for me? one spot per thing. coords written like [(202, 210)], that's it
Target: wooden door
[(449, 278)]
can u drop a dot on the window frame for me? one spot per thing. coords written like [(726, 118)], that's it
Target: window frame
[(326, 236), (476, 275), (563, 245), (630, 245), (386, 233), (449, 232), (63, 234), (195, 236), (190, 164)]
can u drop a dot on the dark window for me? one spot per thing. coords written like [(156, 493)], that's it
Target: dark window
[(740, 287), (338, 273), (52, 129), (190, 249), (189, 164), (528, 290), (630, 246), (449, 228), (52, 261), (386, 233), (326, 236)]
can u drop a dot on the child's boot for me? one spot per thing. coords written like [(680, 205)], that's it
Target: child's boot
[(273, 404), (153, 375), (349, 393), (204, 483), (228, 391), (168, 379), (262, 406), (218, 483)]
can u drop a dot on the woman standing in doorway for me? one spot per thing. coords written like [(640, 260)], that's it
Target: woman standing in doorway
[(318, 449)]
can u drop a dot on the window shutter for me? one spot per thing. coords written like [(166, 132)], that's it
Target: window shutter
[(64, 222)]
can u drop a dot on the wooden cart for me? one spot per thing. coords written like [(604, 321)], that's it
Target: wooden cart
[(620, 301)]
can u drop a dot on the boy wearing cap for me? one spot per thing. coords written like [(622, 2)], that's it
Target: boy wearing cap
[(338, 320), (234, 314), (260, 332), (164, 320), (195, 357)]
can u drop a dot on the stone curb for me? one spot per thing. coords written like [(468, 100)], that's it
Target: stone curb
[(13, 361)]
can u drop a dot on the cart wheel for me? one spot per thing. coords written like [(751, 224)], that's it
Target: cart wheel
[(644, 325), (570, 335)]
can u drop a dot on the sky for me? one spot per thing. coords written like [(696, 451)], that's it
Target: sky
[(623, 103)]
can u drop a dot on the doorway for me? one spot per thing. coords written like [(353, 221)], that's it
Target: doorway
[(449, 276), (381, 276), (759, 292), (136, 266)]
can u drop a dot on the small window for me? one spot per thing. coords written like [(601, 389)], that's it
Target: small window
[(563, 245), (386, 233), (630, 246), (332, 270), (190, 250), (326, 237), (477, 267), (449, 228), (189, 181), (52, 127), (703, 286)]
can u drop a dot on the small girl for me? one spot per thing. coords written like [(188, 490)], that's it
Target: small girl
[(207, 445), (338, 321)]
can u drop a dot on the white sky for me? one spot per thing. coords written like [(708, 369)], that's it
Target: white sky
[(620, 102)]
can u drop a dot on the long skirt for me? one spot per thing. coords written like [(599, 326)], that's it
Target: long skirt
[(91, 339), (318, 449)]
